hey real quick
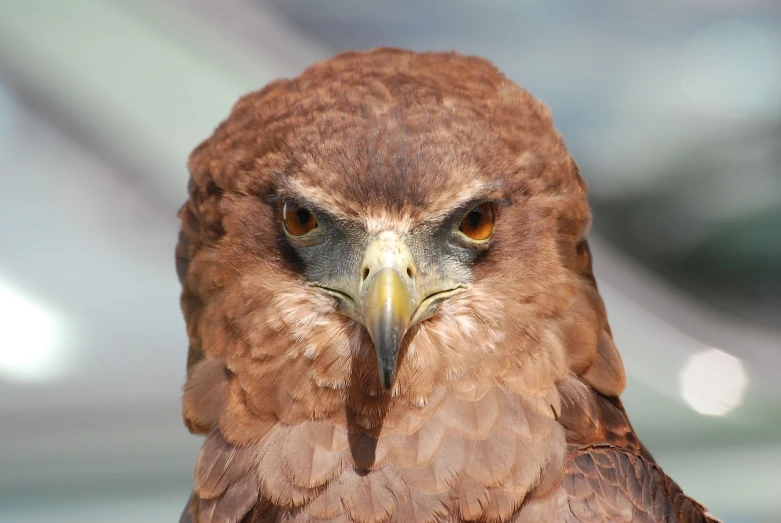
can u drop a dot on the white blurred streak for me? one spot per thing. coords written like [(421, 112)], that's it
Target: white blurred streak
[(32, 338), (731, 69), (145, 96), (713, 382)]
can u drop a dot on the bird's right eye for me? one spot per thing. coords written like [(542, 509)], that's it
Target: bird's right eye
[(297, 220)]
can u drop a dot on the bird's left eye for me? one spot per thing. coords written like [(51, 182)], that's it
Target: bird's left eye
[(297, 220), (478, 224)]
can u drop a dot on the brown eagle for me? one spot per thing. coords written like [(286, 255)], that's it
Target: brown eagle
[(391, 309)]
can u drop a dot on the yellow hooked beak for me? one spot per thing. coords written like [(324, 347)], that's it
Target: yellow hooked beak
[(387, 298), (389, 295)]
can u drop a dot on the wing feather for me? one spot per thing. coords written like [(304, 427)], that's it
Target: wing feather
[(607, 483)]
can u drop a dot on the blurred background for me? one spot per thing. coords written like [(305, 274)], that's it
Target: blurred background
[(672, 108)]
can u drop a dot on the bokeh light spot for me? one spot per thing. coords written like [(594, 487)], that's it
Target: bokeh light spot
[(713, 382), (32, 338)]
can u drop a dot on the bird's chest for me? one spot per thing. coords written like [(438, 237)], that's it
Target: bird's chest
[(462, 459)]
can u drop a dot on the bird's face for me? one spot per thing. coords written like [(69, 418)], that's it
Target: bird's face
[(425, 239), (439, 217), (393, 277)]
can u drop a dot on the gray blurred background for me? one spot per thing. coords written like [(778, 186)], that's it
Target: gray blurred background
[(672, 109)]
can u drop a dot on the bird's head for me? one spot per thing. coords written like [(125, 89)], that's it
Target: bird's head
[(412, 216)]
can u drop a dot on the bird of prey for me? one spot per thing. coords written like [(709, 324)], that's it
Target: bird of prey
[(391, 310)]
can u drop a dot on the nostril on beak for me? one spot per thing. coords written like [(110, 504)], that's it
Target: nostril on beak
[(365, 273), (410, 272)]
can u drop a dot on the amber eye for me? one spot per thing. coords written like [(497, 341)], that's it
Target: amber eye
[(478, 224), (298, 220)]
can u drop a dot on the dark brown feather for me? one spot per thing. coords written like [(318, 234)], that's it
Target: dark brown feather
[(605, 483)]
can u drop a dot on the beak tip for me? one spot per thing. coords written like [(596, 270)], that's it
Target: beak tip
[(386, 377)]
